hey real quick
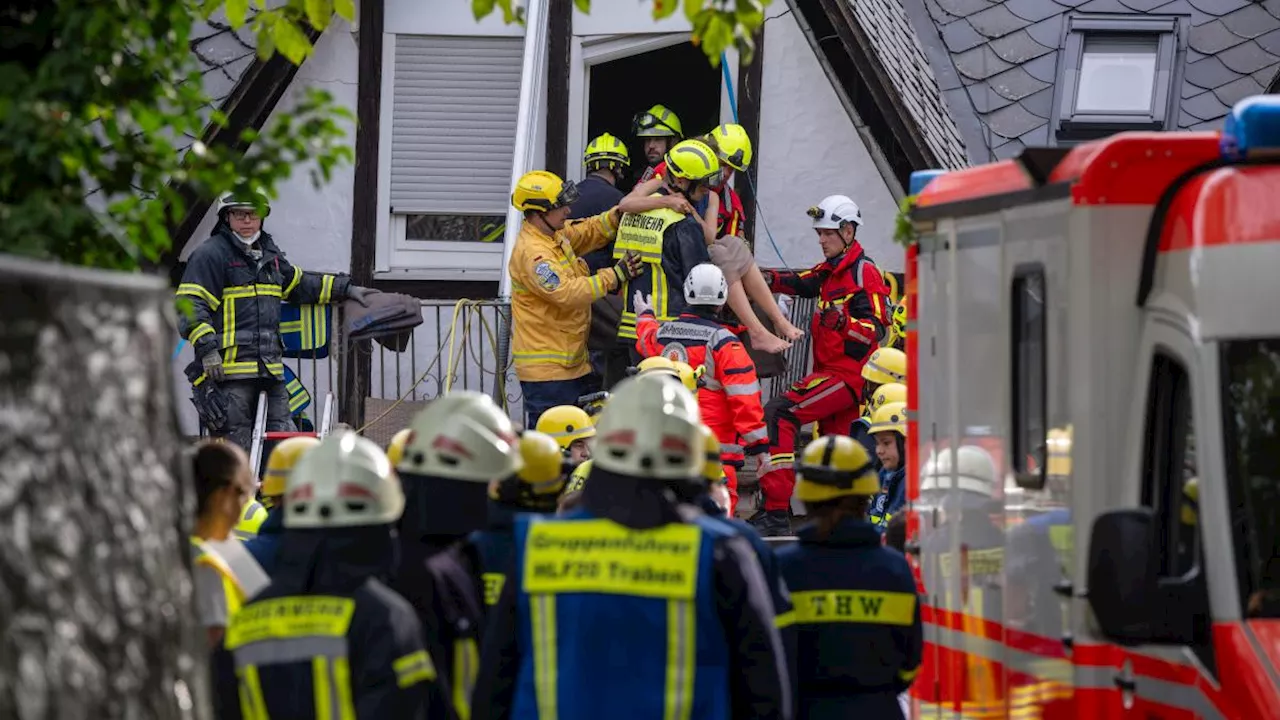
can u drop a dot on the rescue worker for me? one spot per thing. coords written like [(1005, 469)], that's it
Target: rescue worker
[(235, 283), (265, 546), (860, 640), (461, 442), (659, 365), (669, 243), (606, 161), (667, 613), (722, 219), (552, 290), (1042, 549), (849, 320), (658, 130), (572, 429), (252, 515), (395, 448), (887, 393), (886, 365), (729, 397), (535, 488), (224, 574), (327, 638), (889, 428), (898, 326)]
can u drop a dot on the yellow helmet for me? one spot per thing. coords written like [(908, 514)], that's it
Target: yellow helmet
[(891, 417), (657, 121), (251, 517), (678, 369), (566, 424), (900, 317), (886, 365), (732, 145), (578, 479), (283, 457), (835, 466), (541, 474), (693, 160), (1058, 452), (606, 151), (395, 449), (885, 394), (1190, 511), (712, 468), (891, 279), (543, 191)]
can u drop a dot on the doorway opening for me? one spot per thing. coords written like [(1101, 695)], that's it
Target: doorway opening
[(677, 76)]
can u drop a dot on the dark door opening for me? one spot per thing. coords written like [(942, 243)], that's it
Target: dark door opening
[(678, 76)]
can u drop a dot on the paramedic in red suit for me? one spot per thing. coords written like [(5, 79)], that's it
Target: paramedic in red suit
[(851, 317), (729, 396)]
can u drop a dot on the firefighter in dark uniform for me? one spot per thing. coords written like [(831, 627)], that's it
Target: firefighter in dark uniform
[(235, 282), (327, 638), (459, 444), (670, 243), (534, 488), (857, 612), (634, 606)]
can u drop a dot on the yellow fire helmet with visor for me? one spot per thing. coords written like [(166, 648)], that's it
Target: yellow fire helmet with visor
[(832, 467)]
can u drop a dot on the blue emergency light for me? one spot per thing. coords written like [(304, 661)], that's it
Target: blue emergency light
[(1252, 129), (920, 178)]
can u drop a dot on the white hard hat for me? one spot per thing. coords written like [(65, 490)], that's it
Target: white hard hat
[(833, 211), (247, 202), (705, 285), (462, 435), (650, 429), (974, 468), (345, 481)]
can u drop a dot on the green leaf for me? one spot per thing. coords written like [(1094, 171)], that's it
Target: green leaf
[(237, 10), (584, 6), (692, 8), (319, 12), (346, 9), (481, 9), (664, 8), (291, 41), (508, 13), (266, 44)]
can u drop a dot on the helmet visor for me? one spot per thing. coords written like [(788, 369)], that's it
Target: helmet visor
[(646, 123), (735, 160), (568, 195)]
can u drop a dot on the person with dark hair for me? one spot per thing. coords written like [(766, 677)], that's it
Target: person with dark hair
[(859, 641), (224, 575), (895, 533)]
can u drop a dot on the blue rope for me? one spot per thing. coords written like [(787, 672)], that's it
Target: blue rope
[(733, 107), (178, 350)]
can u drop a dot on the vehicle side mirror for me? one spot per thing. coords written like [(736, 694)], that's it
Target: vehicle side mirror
[(1123, 571)]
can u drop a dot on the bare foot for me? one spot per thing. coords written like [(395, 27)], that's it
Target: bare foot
[(786, 330), (765, 341)]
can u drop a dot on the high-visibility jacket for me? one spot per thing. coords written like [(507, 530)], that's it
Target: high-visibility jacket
[(893, 495), (495, 545), (203, 556), (729, 396), (859, 635), (670, 244), (251, 517), (551, 295), (853, 287), (235, 302), (665, 655)]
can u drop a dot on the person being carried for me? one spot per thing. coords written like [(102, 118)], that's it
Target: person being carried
[(722, 217)]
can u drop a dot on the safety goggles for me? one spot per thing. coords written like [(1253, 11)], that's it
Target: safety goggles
[(568, 196), (818, 213), (648, 121)]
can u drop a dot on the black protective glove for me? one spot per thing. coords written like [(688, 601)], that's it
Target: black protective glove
[(629, 267), (212, 364)]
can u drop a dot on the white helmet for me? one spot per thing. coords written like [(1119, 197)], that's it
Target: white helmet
[(463, 435), (651, 428), (705, 285), (231, 200), (975, 471), (345, 481), (834, 211)]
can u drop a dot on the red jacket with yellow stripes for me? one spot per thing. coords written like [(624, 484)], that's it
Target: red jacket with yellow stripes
[(852, 312), (730, 392)]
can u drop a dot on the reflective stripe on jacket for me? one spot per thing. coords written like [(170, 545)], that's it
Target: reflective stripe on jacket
[(202, 555), (551, 295), (235, 302), (670, 244)]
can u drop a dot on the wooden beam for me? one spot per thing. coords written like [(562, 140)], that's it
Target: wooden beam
[(560, 33), (750, 76), (364, 207)]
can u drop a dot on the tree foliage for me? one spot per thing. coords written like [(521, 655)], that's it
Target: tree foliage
[(96, 100), (717, 24)]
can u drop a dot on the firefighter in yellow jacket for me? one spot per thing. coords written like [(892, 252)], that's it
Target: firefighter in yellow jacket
[(552, 288)]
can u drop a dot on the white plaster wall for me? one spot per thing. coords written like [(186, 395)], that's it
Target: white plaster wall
[(808, 148)]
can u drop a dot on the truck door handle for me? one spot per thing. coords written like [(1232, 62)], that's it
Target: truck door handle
[(1125, 682)]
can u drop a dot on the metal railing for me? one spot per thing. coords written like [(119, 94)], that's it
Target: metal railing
[(798, 357)]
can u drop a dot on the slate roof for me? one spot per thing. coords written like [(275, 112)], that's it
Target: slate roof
[(996, 62), (224, 57), (896, 45)]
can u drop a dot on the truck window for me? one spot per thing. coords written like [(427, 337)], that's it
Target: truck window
[(1172, 485), (1250, 424), (1028, 381)]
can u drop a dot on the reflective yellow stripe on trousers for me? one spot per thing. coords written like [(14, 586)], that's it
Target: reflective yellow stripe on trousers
[(466, 664), (544, 654)]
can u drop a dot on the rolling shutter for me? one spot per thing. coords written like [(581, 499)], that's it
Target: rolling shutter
[(453, 123)]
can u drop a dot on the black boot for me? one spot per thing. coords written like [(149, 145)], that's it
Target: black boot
[(772, 523)]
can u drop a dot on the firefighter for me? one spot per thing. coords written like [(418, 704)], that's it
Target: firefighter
[(663, 613), (898, 326), (682, 371), (572, 429), (252, 515), (235, 283), (861, 431), (606, 161), (461, 442), (730, 394), (670, 243), (395, 448), (889, 428), (266, 545), (327, 638), (886, 365), (658, 130), (860, 641), (535, 488), (850, 319)]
